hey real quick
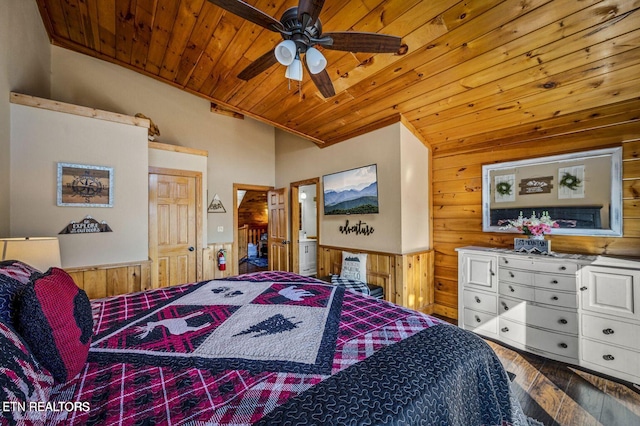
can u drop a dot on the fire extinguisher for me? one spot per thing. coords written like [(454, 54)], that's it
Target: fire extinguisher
[(222, 262)]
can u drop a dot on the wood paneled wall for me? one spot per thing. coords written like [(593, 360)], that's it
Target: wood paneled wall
[(111, 280), (457, 199), (407, 279), (210, 269)]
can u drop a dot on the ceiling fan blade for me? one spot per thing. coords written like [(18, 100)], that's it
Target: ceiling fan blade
[(322, 82), (352, 41), (249, 13), (310, 8), (259, 65)]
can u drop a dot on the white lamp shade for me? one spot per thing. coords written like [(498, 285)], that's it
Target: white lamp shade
[(315, 60), (286, 52), (40, 252), (294, 71)]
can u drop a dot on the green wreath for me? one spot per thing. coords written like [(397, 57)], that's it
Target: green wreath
[(503, 188), (570, 181)]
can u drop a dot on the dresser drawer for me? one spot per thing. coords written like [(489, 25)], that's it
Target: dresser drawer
[(556, 281), (613, 357), (539, 316), (556, 267), (611, 331), (480, 321), (480, 301), (515, 276), (556, 298), (515, 262), (517, 291), (547, 341)]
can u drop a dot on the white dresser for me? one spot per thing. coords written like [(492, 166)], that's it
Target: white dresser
[(582, 310)]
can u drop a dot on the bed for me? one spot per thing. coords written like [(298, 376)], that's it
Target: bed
[(278, 348)]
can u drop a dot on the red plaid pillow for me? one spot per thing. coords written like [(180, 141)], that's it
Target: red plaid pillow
[(54, 317)]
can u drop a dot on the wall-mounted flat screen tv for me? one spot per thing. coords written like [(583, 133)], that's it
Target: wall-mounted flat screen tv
[(352, 191)]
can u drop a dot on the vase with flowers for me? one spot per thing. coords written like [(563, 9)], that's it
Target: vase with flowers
[(533, 227)]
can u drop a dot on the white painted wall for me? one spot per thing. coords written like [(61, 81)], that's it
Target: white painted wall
[(298, 159), (40, 139), (403, 185), (240, 151), (415, 187), (24, 67), (184, 161)]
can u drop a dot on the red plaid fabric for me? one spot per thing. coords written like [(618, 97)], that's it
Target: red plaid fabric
[(130, 394)]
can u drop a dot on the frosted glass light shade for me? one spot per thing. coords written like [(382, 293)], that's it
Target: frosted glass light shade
[(286, 52), (315, 60), (40, 252), (294, 71)]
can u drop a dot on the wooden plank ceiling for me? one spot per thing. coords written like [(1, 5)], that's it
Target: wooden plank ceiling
[(469, 71)]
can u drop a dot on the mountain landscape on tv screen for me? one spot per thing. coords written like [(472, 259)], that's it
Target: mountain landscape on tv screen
[(352, 201)]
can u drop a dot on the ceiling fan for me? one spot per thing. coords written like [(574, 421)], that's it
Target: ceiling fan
[(301, 30)]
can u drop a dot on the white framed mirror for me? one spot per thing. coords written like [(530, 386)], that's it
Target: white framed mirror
[(581, 191)]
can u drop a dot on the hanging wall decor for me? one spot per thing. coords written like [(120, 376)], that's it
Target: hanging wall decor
[(539, 185), (84, 186), (216, 205), (88, 225), (361, 228)]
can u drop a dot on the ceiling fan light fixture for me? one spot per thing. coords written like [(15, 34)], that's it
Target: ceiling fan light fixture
[(294, 71), (286, 52), (315, 60)]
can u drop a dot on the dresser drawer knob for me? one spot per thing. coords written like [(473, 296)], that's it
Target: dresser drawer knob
[(563, 345), (608, 357), (504, 305), (506, 261), (608, 331), (562, 321), (554, 282), (512, 289), (583, 288), (478, 319), (505, 329), (511, 274), (554, 298), (477, 299), (563, 268)]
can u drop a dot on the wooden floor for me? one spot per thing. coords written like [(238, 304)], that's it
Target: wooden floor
[(555, 393), (246, 267)]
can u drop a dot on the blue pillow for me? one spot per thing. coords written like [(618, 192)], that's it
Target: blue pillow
[(10, 290), (22, 380)]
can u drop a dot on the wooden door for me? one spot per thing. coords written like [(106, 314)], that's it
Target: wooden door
[(278, 235), (172, 229)]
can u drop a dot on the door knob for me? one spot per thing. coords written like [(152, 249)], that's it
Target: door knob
[(191, 248)]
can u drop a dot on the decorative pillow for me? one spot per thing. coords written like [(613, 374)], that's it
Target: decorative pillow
[(351, 285), (22, 380), (354, 266), (54, 317), (10, 290), (17, 270)]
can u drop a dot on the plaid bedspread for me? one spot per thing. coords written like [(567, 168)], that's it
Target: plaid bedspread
[(139, 388)]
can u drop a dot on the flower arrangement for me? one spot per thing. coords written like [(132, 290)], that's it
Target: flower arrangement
[(533, 226)]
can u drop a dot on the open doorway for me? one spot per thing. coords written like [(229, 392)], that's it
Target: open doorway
[(251, 221), (305, 226)]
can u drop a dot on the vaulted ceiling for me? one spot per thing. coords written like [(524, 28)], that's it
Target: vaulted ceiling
[(468, 72)]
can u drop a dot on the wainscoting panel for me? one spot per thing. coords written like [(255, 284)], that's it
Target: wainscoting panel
[(111, 280), (210, 269), (407, 279)]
